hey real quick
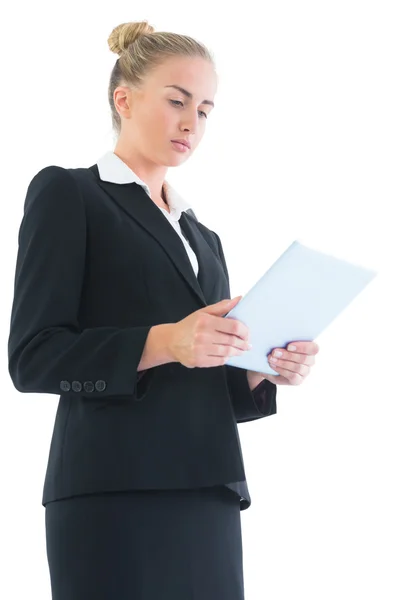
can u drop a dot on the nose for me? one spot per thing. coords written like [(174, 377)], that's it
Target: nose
[(190, 122)]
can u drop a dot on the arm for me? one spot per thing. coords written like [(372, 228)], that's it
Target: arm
[(253, 397), (254, 379), (47, 349), (248, 404)]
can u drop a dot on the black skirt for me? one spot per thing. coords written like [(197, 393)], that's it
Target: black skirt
[(146, 545)]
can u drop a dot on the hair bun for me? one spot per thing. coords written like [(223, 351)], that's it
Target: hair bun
[(125, 34)]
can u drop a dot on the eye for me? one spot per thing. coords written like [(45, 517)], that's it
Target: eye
[(176, 102)]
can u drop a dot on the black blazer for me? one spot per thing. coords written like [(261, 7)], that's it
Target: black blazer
[(98, 265)]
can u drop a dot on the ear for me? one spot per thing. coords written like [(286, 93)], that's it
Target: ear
[(123, 99)]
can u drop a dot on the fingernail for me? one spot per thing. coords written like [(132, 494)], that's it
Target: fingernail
[(291, 348)]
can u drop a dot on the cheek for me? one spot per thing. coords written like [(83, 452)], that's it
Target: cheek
[(168, 118), (160, 123), (151, 117)]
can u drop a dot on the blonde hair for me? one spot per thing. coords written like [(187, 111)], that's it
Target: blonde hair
[(140, 49)]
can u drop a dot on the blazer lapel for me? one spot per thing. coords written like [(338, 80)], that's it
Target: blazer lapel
[(133, 199), (210, 268)]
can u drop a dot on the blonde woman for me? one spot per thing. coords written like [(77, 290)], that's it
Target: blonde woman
[(118, 308)]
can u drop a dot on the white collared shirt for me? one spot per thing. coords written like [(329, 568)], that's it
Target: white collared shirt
[(115, 170)]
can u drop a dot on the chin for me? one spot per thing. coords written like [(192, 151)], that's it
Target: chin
[(177, 160)]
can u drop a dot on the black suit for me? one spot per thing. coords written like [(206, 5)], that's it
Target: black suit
[(98, 265)]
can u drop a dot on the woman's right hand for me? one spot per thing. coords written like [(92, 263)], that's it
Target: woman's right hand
[(206, 339)]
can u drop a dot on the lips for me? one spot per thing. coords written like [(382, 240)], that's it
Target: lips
[(184, 142)]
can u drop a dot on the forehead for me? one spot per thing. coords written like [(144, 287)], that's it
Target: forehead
[(195, 74)]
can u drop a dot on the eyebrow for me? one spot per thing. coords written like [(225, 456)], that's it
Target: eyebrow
[(188, 94)]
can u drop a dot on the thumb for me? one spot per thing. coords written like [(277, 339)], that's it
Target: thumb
[(222, 307)]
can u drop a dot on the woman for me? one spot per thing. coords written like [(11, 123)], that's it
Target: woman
[(118, 308)]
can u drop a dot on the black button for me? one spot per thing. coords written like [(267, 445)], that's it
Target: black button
[(88, 386), (65, 386), (76, 386), (100, 385)]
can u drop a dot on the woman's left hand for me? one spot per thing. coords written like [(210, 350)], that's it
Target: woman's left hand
[(293, 366)]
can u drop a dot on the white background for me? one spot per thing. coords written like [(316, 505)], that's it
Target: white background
[(303, 142)]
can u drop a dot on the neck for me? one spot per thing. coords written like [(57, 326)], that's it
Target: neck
[(153, 175)]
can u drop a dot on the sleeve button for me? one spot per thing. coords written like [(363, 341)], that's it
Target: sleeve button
[(76, 386), (100, 385), (88, 386), (65, 386)]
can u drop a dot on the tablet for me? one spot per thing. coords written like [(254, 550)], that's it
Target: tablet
[(296, 299)]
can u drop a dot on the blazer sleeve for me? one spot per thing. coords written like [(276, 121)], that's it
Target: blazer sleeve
[(47, 348), (248, 404)]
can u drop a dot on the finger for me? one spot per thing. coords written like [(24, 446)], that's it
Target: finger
[(231, 326), (291, 367), (281, 354), (222, 350), (310, 348), (212, 338), (231, 340), (294, 378)]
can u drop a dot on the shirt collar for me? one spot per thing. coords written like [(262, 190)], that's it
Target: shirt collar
[(113, 169)]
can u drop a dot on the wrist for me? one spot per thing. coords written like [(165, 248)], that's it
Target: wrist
[(165, 333), (254, 379), (157, 349)]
